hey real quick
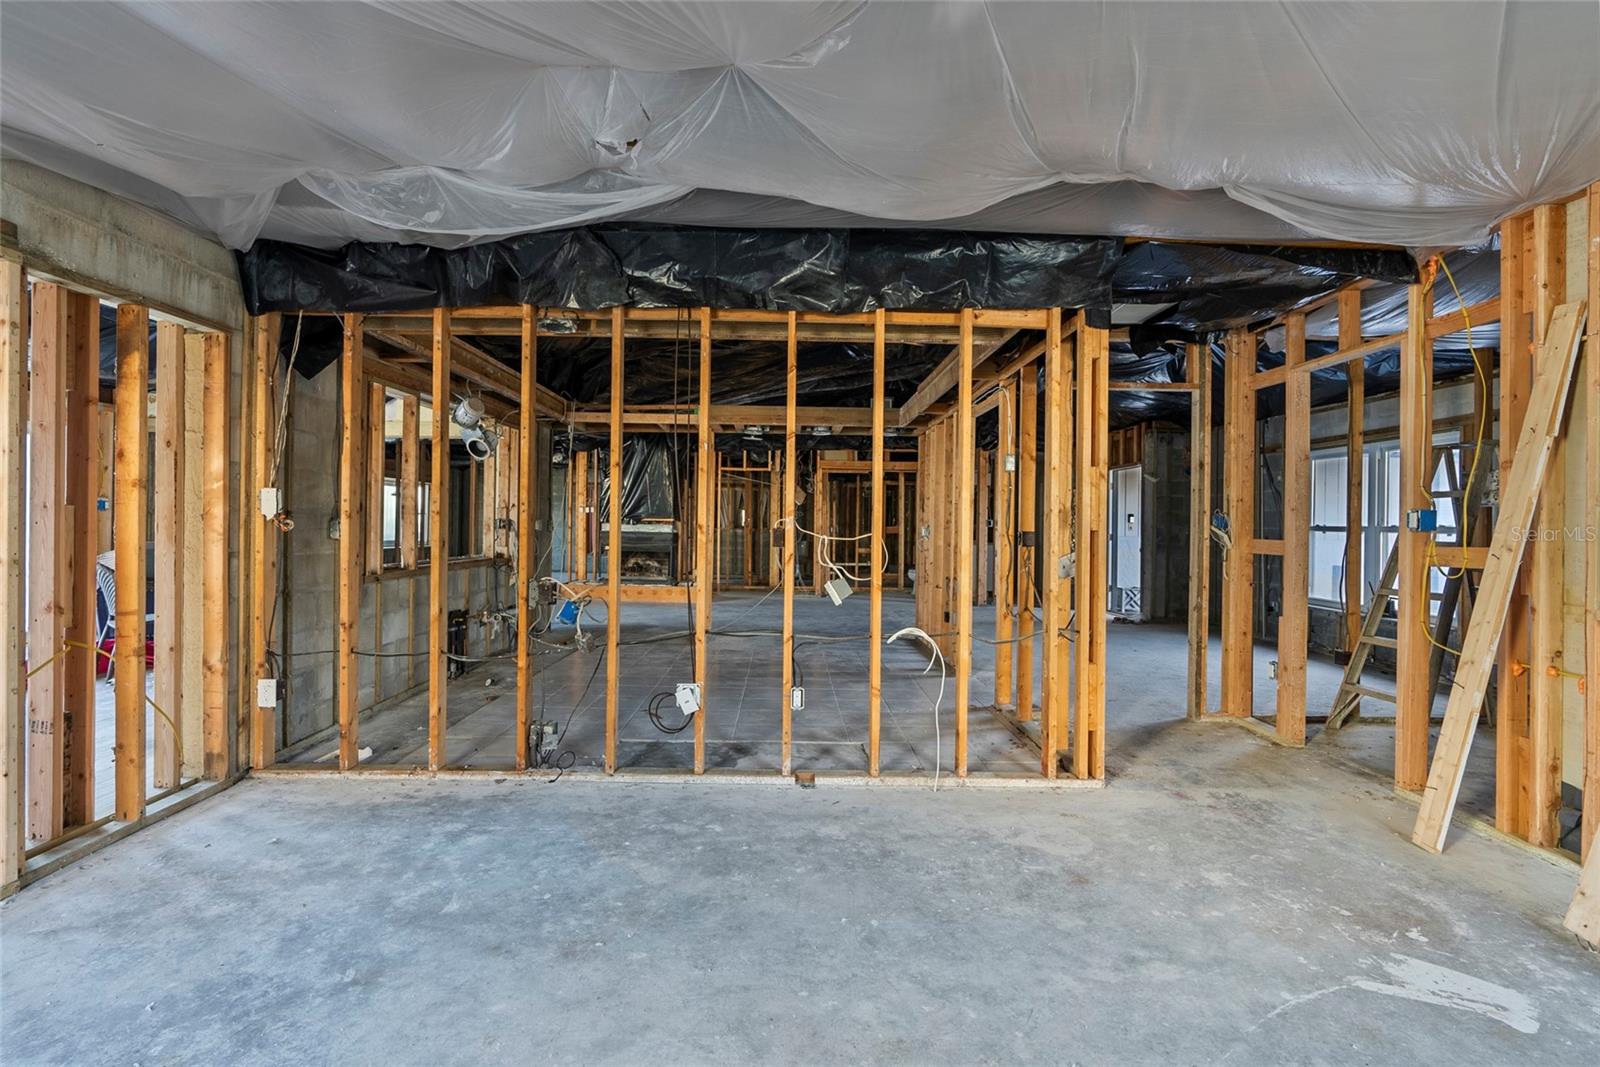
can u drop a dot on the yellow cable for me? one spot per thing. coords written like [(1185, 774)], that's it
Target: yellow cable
[(1472, 472), (177, 735)]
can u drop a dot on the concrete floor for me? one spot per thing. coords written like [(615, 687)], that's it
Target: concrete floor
[(1222, 899)]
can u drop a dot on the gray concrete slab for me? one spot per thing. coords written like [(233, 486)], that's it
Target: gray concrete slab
[(1222, 900)]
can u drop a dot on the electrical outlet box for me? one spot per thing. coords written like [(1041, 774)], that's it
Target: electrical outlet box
[(1422, 520), (837, 589), (1028, 538), (269, 502), (333, 528), (1066, 566), (797, 699), (1010, 465), (688, 697), (266, 692)]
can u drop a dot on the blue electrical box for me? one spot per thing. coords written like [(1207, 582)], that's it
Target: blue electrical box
[(568, 613), (1422, 520)]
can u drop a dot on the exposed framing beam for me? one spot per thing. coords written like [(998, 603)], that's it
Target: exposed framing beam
[(168, 537), (965, 463), (1239, 504), (946, 376), (354, 483), (1005, 542), (790, 427), (83, 480), (878, 554), (1057, 533), (216, 521), (1197, 360), (13, 430), (263, 566), (49, 576), (1591, 610), (1027, 532), (1089, 583), (439, 546), (1355, 465), (1413, 700), (133, 400), (614, 552), (527, 541), (1295, 606)]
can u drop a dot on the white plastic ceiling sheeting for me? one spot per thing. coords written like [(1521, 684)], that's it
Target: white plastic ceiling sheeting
[(1414, 124)]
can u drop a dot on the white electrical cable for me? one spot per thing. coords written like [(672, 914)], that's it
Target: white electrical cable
[(938, 742)]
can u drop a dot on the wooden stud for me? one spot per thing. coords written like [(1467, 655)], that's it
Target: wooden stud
[(1591, 606), (528, 488), (131, 500), (1542, 423), (377, 470), (168, 533), (789, 541), (1239, 503), (878, 548), (406, 489), (1583, 916), (83, 481), (1413, 704), (1197, 357), (215, 589), (708, 482), (192, 623), (1089, 583), (263, 569), (1349, 307), (439, 547), (1547, 555), (13, 547), (1295, 607), (1005, 542), (354, 485), (1512, 691), (1057, 533), (965, 463), (1027, 552), (614, 550), (980, 548), (49, 595)]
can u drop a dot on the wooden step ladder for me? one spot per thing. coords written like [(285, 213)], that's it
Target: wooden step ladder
[(1457, 594)]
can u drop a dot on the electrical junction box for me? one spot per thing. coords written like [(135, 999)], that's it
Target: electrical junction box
[(266, 692), (1010, 466), (797, 699), (1066, 566), (269, 502), (688, 697), (837, 590), (1422, 520)]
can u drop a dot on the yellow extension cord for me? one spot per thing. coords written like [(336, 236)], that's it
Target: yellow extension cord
[(177, 735)]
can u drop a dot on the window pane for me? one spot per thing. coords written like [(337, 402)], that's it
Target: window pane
[(1327, 566), (1328, 491)]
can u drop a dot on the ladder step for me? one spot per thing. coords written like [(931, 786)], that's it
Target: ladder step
[(1375, 694), (1383, 642)]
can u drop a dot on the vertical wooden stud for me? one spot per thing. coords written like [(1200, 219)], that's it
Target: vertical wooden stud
[(215, 590), (1355, 464), (1089, 581), (1413, 700), (406, 490), (83, 481), (13, 435), (377, 469), (1294, 605), (1197, 358), (354, 486), (49, 598), (191, 723), (439, 546), (614, 544), (1027, 532), (1239, 493), (263, 567), (1005, 541), (528, 488), (1053, 682), (168, 531), (133, 402), (1591, 602), (789, 429), (875, 605), (966, 461), (1512, 693)]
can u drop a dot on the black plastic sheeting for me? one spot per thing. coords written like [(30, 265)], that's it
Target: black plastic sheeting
[(833, 270)]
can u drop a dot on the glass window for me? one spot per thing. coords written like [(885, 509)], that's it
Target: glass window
[(1329, 491)]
